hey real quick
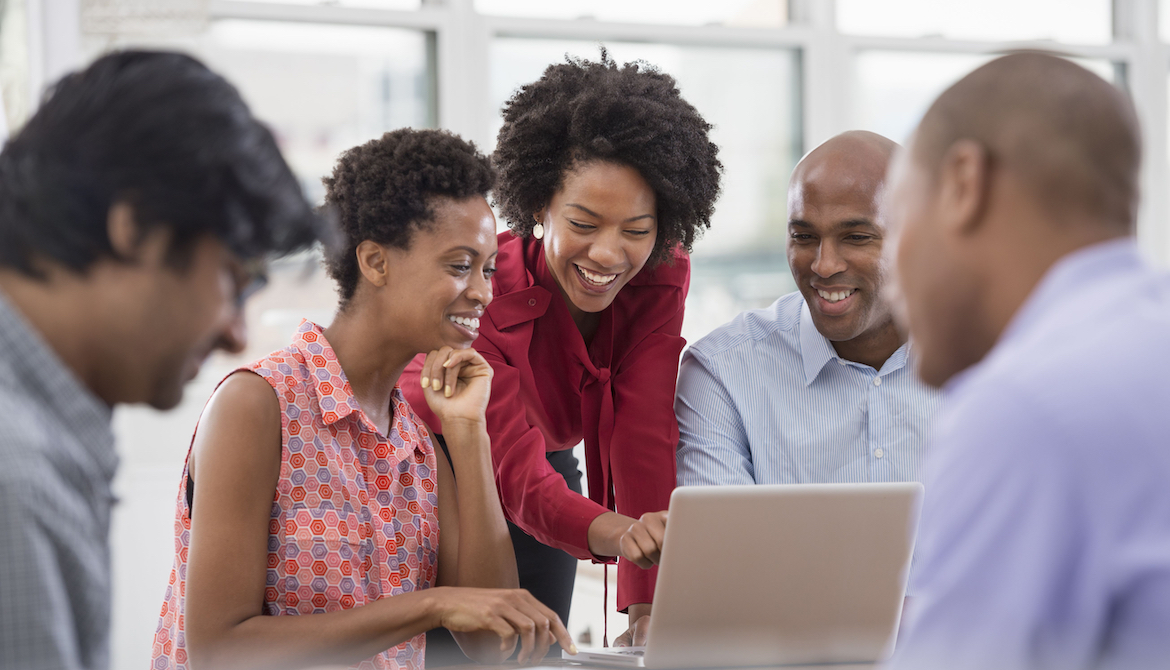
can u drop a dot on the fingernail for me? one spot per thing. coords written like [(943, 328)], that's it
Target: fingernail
[(447, 363), (426, 381), (573, 649), (447, 392), (436, 384)]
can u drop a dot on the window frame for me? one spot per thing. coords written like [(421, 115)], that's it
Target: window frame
[(463, 37)]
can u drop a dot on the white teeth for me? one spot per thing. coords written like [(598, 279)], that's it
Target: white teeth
[(835, 296), (594, 278), (470, 324)]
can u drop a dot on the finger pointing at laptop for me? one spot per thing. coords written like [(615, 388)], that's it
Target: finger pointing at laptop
[(641, 544), (636, 635)]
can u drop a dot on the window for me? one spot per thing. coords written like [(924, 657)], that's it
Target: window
[(740, 13), (399, 5), (894, 88), (1072, 21), (15, 102), (322, 88)]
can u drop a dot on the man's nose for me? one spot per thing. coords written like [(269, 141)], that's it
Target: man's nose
[(828, 262)]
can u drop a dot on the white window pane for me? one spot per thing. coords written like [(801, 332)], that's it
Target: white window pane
[(15, 100), (752, 97), (895, 88), (749, 13), (322, 88), (1072, 21), (398, 5), (325, 88)]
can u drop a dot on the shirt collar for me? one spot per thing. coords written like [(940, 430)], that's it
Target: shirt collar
[(334, 394), (816, 351), (36, 368), (519, 296)]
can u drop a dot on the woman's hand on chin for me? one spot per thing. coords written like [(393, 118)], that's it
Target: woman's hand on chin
[(457, 384)]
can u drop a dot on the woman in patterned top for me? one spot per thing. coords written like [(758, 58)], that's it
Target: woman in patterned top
[(319, 491)]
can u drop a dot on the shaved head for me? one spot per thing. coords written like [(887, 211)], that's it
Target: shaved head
[(855, 160), (1069, 135), (835, 238), (1022, 162)]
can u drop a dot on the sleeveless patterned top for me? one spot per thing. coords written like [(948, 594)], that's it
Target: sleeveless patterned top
[(354, 518)]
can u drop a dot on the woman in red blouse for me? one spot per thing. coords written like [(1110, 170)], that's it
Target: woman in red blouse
[(606, 177)]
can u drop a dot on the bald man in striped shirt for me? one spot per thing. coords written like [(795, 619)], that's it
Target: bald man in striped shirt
[(818, 387)]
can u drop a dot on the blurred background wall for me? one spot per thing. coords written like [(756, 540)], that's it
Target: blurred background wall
[(775, 77)]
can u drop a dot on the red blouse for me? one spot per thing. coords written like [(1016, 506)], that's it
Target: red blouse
[(550, 391)]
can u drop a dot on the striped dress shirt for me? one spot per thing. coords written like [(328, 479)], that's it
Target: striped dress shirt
[(765, 399)]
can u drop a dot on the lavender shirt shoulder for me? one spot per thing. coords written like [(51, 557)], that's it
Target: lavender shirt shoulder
[(1045, 539)]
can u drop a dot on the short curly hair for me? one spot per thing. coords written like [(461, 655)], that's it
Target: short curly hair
[(384, 191), (581, 111)]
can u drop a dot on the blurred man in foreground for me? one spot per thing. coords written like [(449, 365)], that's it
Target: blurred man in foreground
[(136, 207), (1045, 540)]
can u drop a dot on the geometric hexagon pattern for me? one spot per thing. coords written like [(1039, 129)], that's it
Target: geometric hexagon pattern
[(354, 517)]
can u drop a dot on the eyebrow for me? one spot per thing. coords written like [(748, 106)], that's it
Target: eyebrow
[(593, 213), (469, 250), (840, 225)]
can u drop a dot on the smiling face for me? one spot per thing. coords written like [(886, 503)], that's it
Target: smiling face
[(168, 317), (600, 229), (835, 239), (194, 311), (436, 290)]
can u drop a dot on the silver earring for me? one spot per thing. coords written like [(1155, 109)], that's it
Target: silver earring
[(538, 231)]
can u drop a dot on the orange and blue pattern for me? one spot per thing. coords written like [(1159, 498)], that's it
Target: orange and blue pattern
[(354, 518)]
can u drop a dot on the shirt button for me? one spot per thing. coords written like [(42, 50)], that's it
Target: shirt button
[(878, 453), (532, 302), (877, 381)]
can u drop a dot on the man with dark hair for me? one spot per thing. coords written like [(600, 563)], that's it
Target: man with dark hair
[(136, 208), (1045, 537)]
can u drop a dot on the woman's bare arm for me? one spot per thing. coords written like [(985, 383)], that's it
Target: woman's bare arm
[(480, 547), (235, 464)]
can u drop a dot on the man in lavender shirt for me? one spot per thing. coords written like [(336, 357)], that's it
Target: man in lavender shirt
[(1045, 538)]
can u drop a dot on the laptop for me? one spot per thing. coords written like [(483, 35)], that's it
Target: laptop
[(775, 575)]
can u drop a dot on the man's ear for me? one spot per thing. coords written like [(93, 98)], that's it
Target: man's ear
[(122, 227), (373, 262), (129, 241), (964, 182)]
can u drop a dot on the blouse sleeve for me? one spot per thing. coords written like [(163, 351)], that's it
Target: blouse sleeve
[(644, 440)]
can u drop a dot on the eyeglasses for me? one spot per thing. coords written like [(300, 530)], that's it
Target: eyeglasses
[(254, 277)]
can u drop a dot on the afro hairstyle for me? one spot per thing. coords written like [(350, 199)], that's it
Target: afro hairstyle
[(581, 111), (384, 191)]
